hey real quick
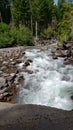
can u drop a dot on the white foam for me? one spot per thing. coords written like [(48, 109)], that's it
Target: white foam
[(45, 85)]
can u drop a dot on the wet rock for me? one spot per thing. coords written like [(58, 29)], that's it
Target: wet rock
[(21, 79), (54, 57), (64, 45), (68, 61), (23, 53), (29, 71), (66, 78), (18, 61), (72, 97), (27, 63), (29, 60)]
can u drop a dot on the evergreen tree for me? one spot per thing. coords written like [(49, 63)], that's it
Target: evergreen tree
[(5, 13), (20, 12)]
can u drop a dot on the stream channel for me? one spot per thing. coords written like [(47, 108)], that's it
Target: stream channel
[(50, 84)]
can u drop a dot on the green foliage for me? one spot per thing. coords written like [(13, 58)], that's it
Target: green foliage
[(4, 27), (14, 36), (26, 13), (47, 33), (5, 40), (5, 13), (24, 36), (20, 12), (64, 28)]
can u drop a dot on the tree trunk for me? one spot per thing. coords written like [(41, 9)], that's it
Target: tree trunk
[(0, 17), (36, 28), (72, 30), (31, 24)]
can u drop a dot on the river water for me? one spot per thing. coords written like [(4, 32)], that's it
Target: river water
[(50, 84)]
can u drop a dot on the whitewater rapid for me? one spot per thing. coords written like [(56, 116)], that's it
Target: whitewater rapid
[(50, 84)]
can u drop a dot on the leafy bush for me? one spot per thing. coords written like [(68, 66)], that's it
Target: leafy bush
[(4, 27), (47, 33), (5, 40), (14, 37), (24, 36)]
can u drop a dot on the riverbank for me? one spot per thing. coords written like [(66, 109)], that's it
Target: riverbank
[(65, 51), (13, 65), (10, 76)]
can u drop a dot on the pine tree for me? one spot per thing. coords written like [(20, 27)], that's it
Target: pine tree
[(5, 13)]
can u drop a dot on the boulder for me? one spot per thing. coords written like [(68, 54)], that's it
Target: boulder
[(35, 117)]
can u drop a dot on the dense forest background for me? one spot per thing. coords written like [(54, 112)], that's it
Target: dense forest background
[(22, 19)]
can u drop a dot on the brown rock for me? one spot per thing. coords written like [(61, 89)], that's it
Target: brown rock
[(68, 61), (29, 71), (21, 79), (54, 57), (27, 63), (18, 61)]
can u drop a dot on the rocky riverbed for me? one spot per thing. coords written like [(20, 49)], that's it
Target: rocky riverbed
[(14, 63), (10, 74), (10, 77), (66, 51)]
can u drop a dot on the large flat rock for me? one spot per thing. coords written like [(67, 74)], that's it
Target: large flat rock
[(34, 117)]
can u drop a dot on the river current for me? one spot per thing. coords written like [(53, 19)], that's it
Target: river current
[(50, 84)]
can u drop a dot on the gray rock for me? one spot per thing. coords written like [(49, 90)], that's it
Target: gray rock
[(34, 117), (3, 68), (2, 81)]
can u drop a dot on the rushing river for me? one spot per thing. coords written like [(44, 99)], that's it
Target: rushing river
[(50, 84)]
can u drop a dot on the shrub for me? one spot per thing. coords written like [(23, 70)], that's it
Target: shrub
[(4, 27), (47, 33), (5, 40), (24, 36), (13, 37)]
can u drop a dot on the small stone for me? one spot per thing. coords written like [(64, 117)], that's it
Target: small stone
[(3, 68), (21, 79), (29, 71), (54, 57), (26, 63)]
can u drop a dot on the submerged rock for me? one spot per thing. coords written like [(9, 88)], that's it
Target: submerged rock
[(27, 62)]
